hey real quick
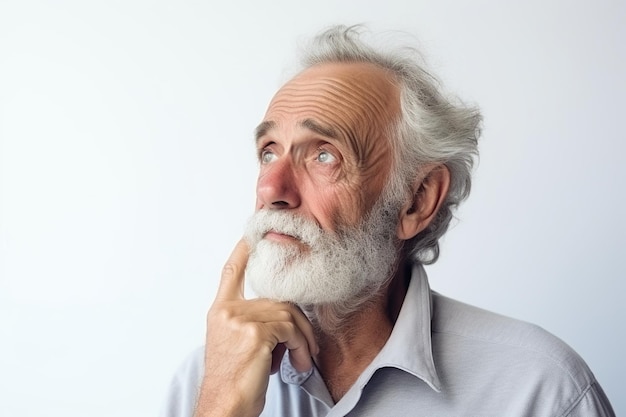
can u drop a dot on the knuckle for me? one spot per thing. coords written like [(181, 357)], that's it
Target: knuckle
[(286, 330), (252, 331), (230, 269), (285, 315), (218, 313), (291, 327)]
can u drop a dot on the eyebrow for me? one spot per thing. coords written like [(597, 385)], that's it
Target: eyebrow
[(318, 128), (264, 127)]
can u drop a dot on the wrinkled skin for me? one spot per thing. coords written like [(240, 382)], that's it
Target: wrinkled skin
[(324, 155), (322, 147)]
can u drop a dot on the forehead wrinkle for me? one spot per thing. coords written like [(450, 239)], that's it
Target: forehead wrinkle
[(370, 118), (367, 92), (373, 99), (364, 119), (341, 94)]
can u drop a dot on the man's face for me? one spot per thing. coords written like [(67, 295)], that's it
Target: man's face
[(322, 145), (324, 159)]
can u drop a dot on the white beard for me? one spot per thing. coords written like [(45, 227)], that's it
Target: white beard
[(343, 268)]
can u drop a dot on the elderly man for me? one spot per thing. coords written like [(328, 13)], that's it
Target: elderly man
[(362, 161)]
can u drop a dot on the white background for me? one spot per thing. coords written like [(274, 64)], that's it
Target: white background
[(128, 171)]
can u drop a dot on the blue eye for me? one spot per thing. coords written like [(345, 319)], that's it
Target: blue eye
[(325, 157), (267, 157)]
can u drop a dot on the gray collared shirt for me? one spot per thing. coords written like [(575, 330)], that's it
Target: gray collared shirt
[(443, 358)]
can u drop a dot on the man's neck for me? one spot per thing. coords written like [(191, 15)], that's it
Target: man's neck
[(346, 350)]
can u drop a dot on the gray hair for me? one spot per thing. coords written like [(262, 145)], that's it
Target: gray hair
[(431, 129)]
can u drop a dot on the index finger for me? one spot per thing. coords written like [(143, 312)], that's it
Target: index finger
[(231, 283)]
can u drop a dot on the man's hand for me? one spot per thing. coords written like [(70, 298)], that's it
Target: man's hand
[(245, 342)]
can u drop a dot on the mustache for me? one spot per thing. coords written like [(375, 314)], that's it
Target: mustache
[(305, 230)]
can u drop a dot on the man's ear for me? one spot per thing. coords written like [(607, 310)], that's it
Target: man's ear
[(428, 194)]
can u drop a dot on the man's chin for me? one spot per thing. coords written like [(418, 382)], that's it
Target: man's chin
[(293, 287), (294, 296)]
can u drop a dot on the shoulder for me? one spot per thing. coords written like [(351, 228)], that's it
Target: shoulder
[(516, 358), (456, 318), (497, 333)]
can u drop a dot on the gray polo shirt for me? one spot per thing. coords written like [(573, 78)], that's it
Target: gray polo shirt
[(443, 358)]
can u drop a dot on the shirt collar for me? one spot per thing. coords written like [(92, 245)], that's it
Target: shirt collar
[(409, 346)]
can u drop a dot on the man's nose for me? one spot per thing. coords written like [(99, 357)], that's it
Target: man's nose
[(277, 186)]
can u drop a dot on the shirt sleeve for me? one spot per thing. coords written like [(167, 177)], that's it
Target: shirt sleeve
[(592, 403), (183, 391)]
